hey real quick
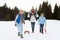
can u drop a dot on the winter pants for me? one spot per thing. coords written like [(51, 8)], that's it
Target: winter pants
[(33, 26), (20, 28), (41, 28)]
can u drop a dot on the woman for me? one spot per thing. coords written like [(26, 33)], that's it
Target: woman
[(32, 18)]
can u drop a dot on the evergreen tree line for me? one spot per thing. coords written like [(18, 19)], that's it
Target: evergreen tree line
[(7, 14), (47, 9)]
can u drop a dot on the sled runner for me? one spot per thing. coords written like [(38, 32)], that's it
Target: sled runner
[(26, 32)]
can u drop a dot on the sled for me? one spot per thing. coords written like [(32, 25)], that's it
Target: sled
[(26, 32), (45, 30)]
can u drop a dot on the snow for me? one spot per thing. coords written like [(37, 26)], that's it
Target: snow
[(9, 32)]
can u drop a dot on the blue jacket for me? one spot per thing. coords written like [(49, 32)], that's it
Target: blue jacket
[(41, 20), (19, 19)]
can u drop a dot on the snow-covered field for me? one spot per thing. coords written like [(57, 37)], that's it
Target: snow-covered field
[(9, 32)]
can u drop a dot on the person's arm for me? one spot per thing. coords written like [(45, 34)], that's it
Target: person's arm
[(45, 22), (23, 21), (29, 15), (36, 14), (24, 18), (39, 20), (16, 19)]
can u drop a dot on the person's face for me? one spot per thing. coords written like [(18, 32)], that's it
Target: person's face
[(21, 12), (42, 14)]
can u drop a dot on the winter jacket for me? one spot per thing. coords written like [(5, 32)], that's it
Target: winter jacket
[(30, 14), (20, 19), (41, 20)]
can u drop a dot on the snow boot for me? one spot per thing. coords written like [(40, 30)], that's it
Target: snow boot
[(21, 36), (18, 33)]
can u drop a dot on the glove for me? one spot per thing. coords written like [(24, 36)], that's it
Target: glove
[(15, 24), (24, 22)]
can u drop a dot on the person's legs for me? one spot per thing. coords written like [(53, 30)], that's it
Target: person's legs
[(18, 30), (33, 26), (40, 28), (21, 25), (21, 28), (42, 25)]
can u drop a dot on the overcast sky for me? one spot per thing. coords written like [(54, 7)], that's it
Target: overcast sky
[(27, 4)]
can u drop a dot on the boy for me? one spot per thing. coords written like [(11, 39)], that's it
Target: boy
[(19, 21), (41, 22)]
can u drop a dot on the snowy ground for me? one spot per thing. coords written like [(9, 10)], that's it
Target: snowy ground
[(9, 32)]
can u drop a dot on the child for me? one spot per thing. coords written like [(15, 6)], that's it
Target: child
[(19, 21), (41, 22)]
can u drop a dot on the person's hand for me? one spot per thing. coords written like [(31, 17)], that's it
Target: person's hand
[(24, 22), (15, 24), (29, 20), (45, 30)]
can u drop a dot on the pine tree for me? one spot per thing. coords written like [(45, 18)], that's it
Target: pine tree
[(55, 11), (39, 11), (58, 14), (49, 14)]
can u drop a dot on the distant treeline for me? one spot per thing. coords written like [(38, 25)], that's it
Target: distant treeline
[(7, 14)]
